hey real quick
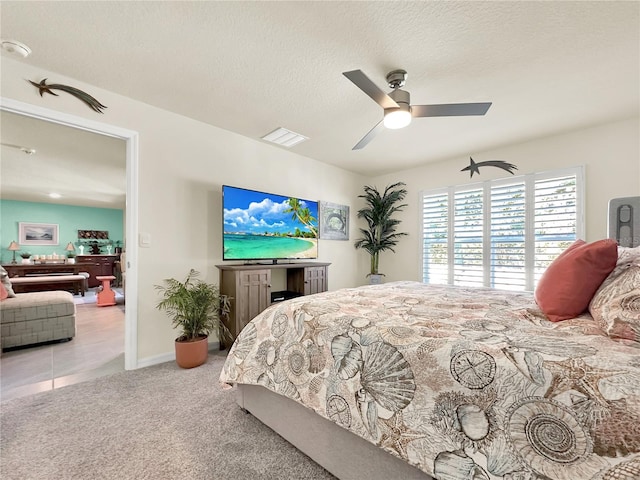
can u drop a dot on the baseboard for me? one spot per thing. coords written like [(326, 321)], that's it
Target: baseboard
[(156, 359), (169, 356)]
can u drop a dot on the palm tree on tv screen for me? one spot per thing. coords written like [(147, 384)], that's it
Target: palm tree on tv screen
[(303, 215)]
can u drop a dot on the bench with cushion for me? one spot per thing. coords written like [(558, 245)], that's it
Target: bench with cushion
[(49, 282)]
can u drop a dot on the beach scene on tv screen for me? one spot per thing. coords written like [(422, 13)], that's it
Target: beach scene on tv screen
[(260, 225)]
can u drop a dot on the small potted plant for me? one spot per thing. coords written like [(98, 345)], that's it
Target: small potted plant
[(71, 257), (26, 257), (380, 234), (196, 309)]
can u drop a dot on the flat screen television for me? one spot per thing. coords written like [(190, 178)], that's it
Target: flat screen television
[(266, 226)]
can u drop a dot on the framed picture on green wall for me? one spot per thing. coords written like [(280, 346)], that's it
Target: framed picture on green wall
[(38, 233)]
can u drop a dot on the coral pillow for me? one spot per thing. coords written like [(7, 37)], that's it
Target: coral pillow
[(3, 292), (569, 283)]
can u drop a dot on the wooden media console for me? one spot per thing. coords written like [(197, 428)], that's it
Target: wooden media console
[(249, 287)]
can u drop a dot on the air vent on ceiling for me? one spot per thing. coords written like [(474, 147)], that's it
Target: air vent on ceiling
[(286, 138)]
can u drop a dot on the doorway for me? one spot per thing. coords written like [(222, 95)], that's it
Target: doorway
[(130, 211)]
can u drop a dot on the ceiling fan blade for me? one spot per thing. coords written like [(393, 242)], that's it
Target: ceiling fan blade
[(365, 84), (450, 109), (369, 136)]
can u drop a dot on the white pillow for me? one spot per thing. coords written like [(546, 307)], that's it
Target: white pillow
[(4, 277)]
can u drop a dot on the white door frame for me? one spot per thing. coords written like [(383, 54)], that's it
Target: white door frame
[(131, 139)]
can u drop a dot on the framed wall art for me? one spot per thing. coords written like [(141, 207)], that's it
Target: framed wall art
[(93, 234), (334, 221), (38, 233)]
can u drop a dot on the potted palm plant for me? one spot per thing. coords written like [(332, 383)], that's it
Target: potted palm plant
[(196, 309), (380, 234)]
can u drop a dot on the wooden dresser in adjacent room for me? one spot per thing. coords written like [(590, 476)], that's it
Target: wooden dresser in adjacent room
[(97, 266)]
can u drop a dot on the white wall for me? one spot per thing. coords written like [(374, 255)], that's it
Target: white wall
[(182, 166), (610, 154)]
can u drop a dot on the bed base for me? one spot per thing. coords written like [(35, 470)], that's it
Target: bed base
[(339, 451)]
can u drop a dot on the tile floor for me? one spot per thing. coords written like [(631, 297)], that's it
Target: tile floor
[(96, 350)]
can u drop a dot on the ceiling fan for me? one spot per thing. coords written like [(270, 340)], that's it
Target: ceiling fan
[(397, 109)]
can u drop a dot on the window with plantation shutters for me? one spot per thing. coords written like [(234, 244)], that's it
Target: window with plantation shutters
[(500, 233), (435, 250), (507, 236), (555, 219), (467, 237)]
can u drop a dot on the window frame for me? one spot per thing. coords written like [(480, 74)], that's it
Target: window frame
[(485, 186)]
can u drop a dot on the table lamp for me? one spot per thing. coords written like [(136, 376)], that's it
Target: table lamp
[(13, 247), (71, 250)]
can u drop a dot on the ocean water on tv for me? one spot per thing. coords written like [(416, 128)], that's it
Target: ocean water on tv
[(260, 246)]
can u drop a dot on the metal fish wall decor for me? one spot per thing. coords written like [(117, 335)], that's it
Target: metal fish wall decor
[(42, 87), (475, 166)]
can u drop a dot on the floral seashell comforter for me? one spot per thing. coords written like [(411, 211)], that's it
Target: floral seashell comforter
[(461, 383)]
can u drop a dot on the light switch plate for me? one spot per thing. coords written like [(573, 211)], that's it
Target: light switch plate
[(144, 239)]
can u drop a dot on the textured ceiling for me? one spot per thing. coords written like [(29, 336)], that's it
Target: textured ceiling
[(89, 169), (250, 67)]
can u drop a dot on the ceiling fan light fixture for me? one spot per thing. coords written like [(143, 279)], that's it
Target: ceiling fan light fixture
[(395, 118), (398, 110)]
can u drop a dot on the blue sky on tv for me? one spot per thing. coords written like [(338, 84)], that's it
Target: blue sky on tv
[(249, 211)]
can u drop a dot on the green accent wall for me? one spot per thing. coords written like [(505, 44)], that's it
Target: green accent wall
[(69, 219)]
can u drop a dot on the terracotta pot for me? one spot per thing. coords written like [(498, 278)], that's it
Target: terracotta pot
[(192, 353)]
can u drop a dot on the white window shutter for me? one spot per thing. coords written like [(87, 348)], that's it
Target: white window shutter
[(502, 233)]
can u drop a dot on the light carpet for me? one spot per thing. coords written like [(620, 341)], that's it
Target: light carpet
[(159, 422)]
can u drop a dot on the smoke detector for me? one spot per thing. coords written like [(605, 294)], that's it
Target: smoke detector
[(15, 47)]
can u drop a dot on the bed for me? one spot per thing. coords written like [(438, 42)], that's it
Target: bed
[(407, 380)]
